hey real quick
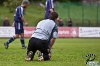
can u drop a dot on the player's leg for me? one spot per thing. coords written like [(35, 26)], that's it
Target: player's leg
[(46, 54), (44, 51), (49, 41), (22, 36), (22, 41), (47, 14), (31, 50), (6, 44)]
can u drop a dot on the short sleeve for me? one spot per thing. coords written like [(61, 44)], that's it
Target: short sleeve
[(21, 12), (55, 32)]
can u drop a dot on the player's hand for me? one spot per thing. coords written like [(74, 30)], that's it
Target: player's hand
[(50, 54), (49, 48), (57, 19), (26, 24), (13, 25)]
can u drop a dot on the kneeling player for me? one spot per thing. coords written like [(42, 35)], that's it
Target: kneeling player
[(40, 37)]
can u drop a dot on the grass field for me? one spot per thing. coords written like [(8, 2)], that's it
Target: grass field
[(66, 52)]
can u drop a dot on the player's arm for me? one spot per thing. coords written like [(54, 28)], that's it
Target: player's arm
[(51, 6), (22, 18), (54, 36), (51, 10), (13, 24), (52, 41)]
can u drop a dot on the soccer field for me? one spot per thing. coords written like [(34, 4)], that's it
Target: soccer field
[(65, 52)]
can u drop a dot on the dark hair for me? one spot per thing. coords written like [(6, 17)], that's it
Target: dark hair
[(53, 16)]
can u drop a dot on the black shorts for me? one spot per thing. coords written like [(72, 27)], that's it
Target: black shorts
[(38, 44)]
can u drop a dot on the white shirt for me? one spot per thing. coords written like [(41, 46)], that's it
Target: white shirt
[(45, 29)]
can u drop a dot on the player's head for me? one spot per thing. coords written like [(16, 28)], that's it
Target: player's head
[(53, 16), (25, 3)]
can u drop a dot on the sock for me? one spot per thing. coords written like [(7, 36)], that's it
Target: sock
[(22, 42), (10, 40)]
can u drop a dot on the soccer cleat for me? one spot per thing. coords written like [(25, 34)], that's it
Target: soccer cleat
[(40, 56), (29, 56), (6, 46), (50, 54), (24, 47)]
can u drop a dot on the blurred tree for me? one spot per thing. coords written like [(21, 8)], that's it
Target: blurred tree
[(62, 0), (12, 4), (74, 0), (58, 0), (1, 1)]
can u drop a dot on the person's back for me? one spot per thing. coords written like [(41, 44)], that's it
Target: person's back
[(69, 22), (44, 29), (6, 22), (18, 14), (60, 22)]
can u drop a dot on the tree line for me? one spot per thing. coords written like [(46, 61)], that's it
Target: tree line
[(1, 1), (12, 4)]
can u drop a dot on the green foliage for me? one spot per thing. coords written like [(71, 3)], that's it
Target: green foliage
[(1, 1), (61, 0), (74, 0), (58, 0), (12, 4), (1, 20), (66, 52)]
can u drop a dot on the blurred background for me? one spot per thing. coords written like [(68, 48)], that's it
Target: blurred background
[(83, 13)]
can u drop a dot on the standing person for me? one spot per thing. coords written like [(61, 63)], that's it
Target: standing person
[(40, 37), (6, 22), (18, 24), (49, 8), (69, 22)]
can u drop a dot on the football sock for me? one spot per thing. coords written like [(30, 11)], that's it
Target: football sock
[(10, 40), (22, 42)]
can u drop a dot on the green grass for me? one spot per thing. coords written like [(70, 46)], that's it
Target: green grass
[(33, 14), (66, 52)]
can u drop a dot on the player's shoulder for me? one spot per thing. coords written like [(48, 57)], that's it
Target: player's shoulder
[(47, 21), (50, 20), (18, 7)]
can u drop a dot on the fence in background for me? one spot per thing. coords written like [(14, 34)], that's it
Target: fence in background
[(85, 14)]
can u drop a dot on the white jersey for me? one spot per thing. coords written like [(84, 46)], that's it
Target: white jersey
[(45, 29)]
